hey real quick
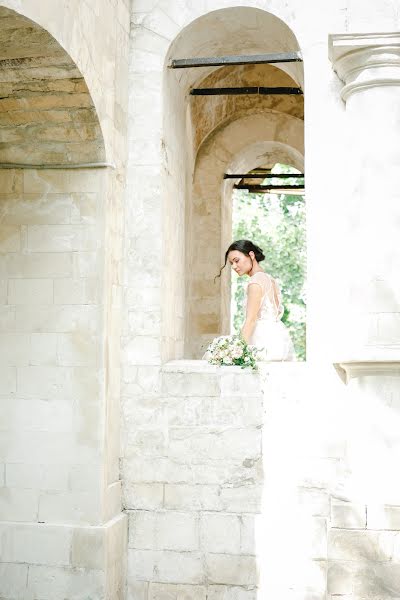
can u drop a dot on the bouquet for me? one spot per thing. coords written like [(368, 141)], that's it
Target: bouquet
[(231, 350)]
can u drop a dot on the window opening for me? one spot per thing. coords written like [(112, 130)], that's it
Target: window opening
[(275, 221)]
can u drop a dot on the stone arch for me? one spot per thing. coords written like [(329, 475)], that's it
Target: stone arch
[(47, 115), (245, 142), (190, 140)]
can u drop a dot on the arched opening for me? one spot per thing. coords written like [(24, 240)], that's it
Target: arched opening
[(47, 116), (206, 137)]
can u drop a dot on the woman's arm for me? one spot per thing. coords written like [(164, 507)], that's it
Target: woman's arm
[(254, 298)]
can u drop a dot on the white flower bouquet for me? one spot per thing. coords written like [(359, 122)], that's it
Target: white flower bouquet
[(231, 350)]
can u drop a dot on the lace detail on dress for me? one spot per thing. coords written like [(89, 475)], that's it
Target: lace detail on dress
[(271, 306)]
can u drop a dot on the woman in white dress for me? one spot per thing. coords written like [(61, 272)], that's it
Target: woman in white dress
[(262, 327)]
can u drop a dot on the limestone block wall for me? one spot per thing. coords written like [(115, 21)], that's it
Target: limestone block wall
[(60, 234), (280, 484), (193, 484), (95, 35)]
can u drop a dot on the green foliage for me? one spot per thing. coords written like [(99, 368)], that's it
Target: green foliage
[(276, 223)]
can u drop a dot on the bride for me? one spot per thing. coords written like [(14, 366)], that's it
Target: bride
[(262, 327)]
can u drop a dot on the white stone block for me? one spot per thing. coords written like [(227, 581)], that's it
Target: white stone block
[(231, 569), (76, 291), (220, 533), (27, 476), (3, 291), (242, 497), (18, 504), (142, 564), (192, 497), (383, 517), (53, 209), (240, 384), (156, 470), (84, 478), (15, 349), (43, 349), (53, 319), (147, 496), (45, 447), (374, 581), (170, 591), (57, 383), (37, 415), (55, 181), (30, 291), (49, 583), (187, 384), (141, 350), (7, 319), (375, 546), (340, 577), (13, 578), (11, 181), (248, 527), (62, 238), (346, 515), (10, 238), (177, 531), (48, 545), (145, 443), (137, 590), (142, 530), (78, 349), (8, 380), (39, 265), (69, 507), (222, 592), (88, 548), (55, 477), (203, 444), (180, 567)]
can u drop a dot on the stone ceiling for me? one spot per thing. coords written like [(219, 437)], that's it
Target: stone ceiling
[(47, 116)]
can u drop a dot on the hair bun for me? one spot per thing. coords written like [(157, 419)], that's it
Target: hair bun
[(258, 253)]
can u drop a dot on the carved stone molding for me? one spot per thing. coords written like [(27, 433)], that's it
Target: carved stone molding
[(351, 369), (364, 61)]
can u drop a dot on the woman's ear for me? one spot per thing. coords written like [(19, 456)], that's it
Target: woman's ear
[(252, 255)]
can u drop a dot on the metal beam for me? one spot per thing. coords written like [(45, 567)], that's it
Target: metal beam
[(266, 188), (262, 91), (221, 61), (262, 175)]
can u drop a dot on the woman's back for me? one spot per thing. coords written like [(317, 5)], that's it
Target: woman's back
[(270, 334)]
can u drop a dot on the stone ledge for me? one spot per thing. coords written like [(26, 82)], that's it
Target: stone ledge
[(202, 366), (350, 369)]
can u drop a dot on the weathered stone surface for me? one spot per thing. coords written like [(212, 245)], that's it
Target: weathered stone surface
[(348, 516), (383, 517), (375, 546)]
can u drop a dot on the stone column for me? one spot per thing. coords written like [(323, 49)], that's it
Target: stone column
[(368, 245)]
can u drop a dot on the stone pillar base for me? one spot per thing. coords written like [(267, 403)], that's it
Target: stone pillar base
[(41, 560)]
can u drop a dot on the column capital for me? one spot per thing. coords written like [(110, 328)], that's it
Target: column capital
[(363, 61)]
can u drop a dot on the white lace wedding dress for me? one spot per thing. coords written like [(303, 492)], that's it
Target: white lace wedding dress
[(270, 335)]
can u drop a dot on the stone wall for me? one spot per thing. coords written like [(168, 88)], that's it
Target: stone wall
[(60, 234), (62, 529), (193, 484)]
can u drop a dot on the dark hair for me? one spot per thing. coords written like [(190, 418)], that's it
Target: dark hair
[(244, 246)]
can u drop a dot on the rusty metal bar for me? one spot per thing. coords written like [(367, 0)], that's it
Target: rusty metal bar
[(221, 61), (262, 91), (266, 188), (262, 175)]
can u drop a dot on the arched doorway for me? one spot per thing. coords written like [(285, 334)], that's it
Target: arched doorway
[(203, 136)]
